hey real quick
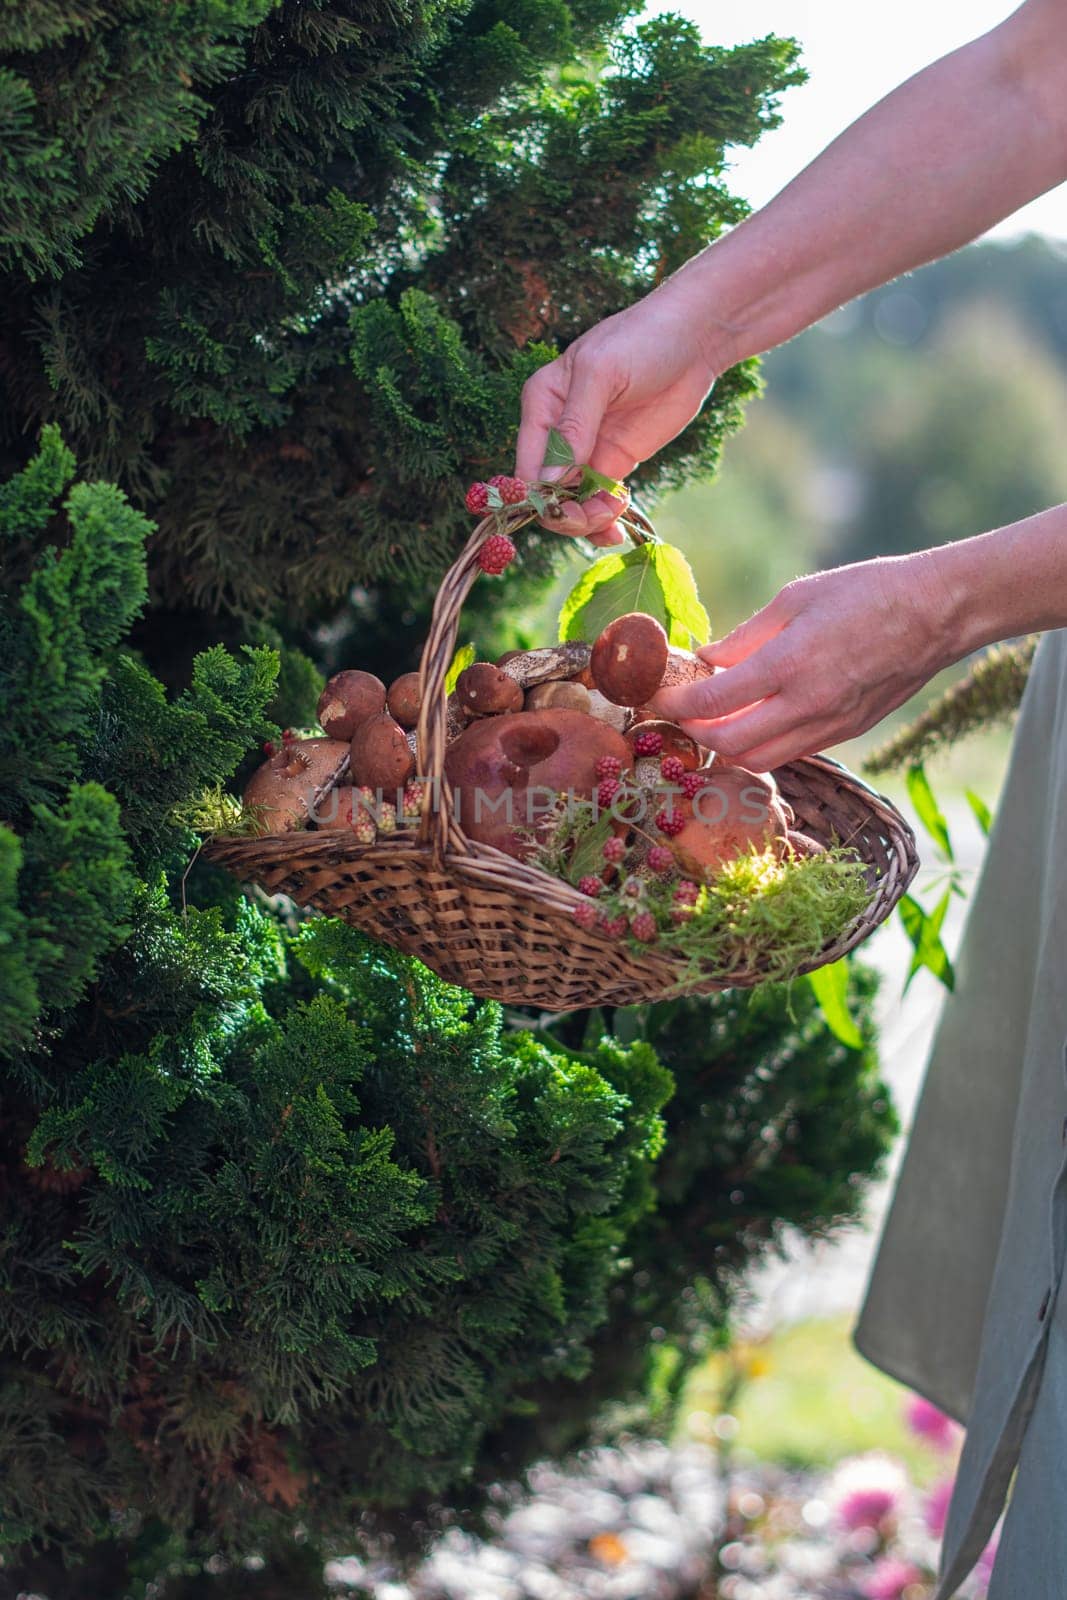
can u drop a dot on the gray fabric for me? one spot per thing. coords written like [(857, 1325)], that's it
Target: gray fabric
[(974, 1241)]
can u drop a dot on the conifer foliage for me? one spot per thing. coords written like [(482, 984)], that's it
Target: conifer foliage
[(291, 1232)]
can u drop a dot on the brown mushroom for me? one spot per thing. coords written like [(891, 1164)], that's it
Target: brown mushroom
[(485, 690), (505, 771), (348, 699), (674, 741), (404, 699), (629, 658), (563, 660), (284, 792), (561, 693), (605, 710), (734, 812), (381, 756)]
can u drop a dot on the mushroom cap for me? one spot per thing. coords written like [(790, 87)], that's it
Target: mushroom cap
[(676, 742), (404, 699), (629, 659), (504, 771), (485, 690), (563, 660), (286, 799), (563, 693), (348, 699), (735, 811), (381, 755)]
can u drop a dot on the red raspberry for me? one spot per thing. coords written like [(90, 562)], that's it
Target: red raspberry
[(687, 892), (614, 850), (606, 791), (270, 748), (660, 858), (643, 927), (672, 769), (477, 499), (608, 767), (683, 913), (589, 885), (585, 915), (413, 797), (611, 927), (694, 783), (496, 554), (511, 490), (648, 744), (670, 822)]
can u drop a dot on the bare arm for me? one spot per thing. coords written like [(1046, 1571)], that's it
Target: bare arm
[(834, 653), (953, 150)]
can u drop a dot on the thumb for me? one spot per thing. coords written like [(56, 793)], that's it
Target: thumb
[(748, 636)]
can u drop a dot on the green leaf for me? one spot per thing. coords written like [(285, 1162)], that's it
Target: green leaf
[(928, 810), (830, 985), (462, 658), (684, 608), (610, 588), (924, 930), (494, 497), (558, 452), (588, 853), (537, 500), (592, 483), (982, 813)]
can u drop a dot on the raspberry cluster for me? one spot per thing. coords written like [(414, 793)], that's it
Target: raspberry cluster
[(496, 553)]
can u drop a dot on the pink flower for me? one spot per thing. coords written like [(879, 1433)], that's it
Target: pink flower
[(935, 1511), (866, 1508), (866, 1490), (889, 1578), (927, 1422)]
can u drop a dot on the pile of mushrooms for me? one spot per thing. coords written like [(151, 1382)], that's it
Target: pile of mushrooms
[(522, 731)]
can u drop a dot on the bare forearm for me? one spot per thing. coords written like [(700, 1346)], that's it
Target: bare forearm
[(952, 151), (1002, 584)]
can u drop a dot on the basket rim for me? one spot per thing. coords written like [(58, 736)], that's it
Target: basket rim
[(484, 866)]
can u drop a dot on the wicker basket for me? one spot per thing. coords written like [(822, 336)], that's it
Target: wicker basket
[(504, 928)]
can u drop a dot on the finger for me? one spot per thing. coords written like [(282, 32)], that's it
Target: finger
[(788, 747), (752, 635), (735, 735), (602, 509), (608, 536), (543, 395), (592, 385), (728, 691)]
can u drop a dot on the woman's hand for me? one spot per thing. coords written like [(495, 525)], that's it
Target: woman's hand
[(618, 394), (828, 658)]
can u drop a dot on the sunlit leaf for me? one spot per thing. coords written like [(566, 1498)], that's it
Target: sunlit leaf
[(982, 814), (592, 483), (462, 658), (609, 588), (928, 810), (924, 930), (684, 607), (830, 984)]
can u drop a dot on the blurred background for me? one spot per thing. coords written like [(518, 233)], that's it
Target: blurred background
[(928, 411)]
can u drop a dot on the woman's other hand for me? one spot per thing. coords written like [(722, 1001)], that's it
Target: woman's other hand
[(618, 394), (828, 658)]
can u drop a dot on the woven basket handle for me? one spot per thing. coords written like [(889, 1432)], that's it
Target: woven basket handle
[(437, 826)]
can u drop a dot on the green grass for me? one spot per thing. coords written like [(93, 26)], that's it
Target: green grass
[(808, 1400)]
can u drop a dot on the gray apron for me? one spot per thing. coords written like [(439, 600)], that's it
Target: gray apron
[(963, 1302)]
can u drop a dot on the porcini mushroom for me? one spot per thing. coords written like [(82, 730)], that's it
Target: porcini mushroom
[(348, 699), (504, 771), (629, 659), (486, 690), (561, 693), (735, 811), (381, 756), (284, 792), (404, 699)]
